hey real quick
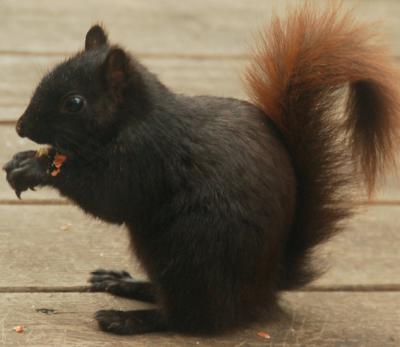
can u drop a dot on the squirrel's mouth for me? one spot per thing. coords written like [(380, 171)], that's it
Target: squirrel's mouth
[(77, 149), (56, 159), (70, 149)]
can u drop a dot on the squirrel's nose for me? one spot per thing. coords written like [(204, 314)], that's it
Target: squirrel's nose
[(20, 128)]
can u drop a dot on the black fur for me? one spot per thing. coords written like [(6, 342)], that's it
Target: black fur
[(204, 185)]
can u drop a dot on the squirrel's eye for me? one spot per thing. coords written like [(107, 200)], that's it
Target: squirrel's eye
[(74, 103)]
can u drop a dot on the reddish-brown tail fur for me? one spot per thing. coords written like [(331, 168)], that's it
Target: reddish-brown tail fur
[(299, 69)]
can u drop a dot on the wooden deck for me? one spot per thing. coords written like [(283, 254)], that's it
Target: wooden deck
[(47, 246)]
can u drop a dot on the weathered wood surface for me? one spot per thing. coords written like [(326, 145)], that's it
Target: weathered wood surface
[(223, 27), (196, 47), (20, 74), (311, 319), (35, 251), (10, 143), (366, 253)]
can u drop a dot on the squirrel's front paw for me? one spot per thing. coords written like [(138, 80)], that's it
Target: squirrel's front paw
[(25, 171)]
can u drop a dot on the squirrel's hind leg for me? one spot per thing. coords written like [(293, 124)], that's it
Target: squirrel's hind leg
[(121, 283)]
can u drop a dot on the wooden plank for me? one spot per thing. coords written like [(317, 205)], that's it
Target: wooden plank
[(10, 143), (191, 76), (36, 252), (218, 77), (191, 27), (311, 319), (9, 113), (366, 252)]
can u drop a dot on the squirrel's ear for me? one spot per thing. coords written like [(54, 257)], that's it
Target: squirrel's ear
[(95, 37), (116, 72)]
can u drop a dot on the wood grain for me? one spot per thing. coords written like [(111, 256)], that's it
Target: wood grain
[(196, 47), (20, 76), (223, 27), (10, 143), (35, 251), (310, 319), (366, 252)]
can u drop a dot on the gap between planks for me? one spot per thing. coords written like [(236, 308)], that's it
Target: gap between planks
[(365, 288), (145, 55), (46, 202), (41, 202)]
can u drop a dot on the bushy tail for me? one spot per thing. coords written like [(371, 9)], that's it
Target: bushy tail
[(298, 71)]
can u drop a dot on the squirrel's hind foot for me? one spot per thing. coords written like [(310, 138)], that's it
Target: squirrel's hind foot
[(130, 322)]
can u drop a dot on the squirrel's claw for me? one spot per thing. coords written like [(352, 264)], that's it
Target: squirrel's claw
[(18, 193)]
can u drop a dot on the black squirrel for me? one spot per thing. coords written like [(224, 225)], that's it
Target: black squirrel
[(224, 200)]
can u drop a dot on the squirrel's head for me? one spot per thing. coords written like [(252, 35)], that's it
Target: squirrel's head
[(81, 103)]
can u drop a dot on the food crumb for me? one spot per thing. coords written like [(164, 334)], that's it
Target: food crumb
[(19, 329), (42, 152), (58, 162), (66, 227), (264, 334)]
